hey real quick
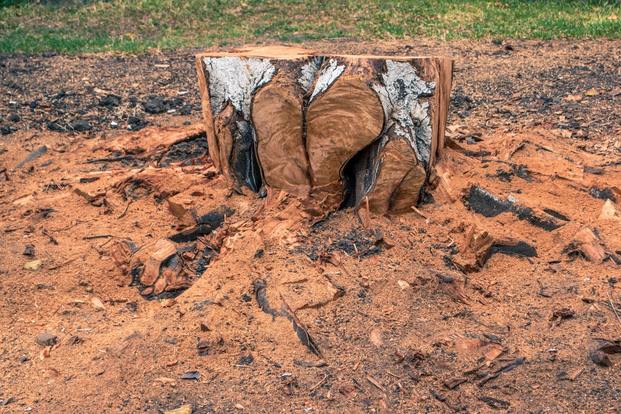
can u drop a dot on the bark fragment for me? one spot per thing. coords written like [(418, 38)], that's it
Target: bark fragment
[(587, 244), (260, 290), (479, 246)]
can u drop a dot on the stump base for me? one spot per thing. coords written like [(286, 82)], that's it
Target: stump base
[(336, 129)]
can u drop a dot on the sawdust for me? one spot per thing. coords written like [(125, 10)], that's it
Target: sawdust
[(356, 313)]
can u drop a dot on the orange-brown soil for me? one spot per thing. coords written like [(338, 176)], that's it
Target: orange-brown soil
[(421, 312)]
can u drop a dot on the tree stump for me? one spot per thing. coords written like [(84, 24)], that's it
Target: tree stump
[(339, 130)]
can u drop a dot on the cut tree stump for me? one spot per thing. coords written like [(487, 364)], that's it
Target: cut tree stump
[(338, 130)]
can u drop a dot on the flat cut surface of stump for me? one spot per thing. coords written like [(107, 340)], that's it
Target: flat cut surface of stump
[(326, 127)]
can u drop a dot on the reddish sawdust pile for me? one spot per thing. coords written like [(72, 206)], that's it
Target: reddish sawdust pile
[(355, 312)]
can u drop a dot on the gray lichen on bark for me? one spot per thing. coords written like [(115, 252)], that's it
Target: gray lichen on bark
[(233, 79), (308, 73), (327, 75), (423, 133), (399, 93)]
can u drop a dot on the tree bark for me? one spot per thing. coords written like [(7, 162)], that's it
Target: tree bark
[(335, 129)]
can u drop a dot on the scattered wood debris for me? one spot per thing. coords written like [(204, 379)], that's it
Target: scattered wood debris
[(588, 245), (480, 245)]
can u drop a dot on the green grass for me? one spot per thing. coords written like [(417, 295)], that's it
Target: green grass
[(73, 26)]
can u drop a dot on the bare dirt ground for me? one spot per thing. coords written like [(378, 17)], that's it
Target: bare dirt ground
[(501, 293)]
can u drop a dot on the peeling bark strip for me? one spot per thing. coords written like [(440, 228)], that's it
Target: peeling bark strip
[(260, 287), (336, 129)]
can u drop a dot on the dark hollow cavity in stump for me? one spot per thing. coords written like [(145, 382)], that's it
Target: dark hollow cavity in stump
[(338, 130)]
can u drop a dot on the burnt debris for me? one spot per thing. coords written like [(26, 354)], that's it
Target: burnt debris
[(359, 243), (519, 248), (603, 193), (487, 204), (205, 224), (187, 152), (39, 152)]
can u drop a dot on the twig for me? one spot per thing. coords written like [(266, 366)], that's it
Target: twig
[(110, 159), (505, 368), (319, 384), (69, 226), (104, 243), (393, 375), (62, 264), (49, 236), (364, 218), (125, 211), (420, 213), (12, 229), (97, 236), (375, 383), (612, 305)]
